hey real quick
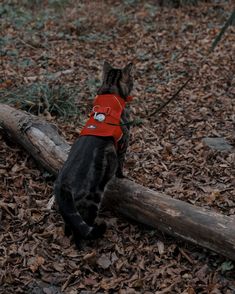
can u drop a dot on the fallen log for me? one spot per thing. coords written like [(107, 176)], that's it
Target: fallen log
[(177, 218), (38, 137)]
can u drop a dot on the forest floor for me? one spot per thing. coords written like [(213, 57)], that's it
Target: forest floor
[(55, 50)]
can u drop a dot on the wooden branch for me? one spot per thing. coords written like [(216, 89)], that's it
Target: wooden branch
[(38, 137), (177, 218)]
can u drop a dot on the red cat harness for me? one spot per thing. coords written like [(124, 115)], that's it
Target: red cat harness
[(105, 118)]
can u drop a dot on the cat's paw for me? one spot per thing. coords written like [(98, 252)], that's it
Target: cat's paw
[(120, 175), (78, 242), (97, 231), (123, 177)]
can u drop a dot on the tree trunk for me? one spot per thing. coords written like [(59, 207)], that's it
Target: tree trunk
[(177, 218)]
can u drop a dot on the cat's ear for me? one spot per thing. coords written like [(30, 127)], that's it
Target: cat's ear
[(106, 67), (128, 70)]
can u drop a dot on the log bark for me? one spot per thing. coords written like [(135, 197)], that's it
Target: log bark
[(174, 217), (38, 137)]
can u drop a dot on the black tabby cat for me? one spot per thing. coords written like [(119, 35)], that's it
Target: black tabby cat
[(92, 162)]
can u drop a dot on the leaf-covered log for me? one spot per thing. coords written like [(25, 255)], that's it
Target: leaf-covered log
[(177, 218)]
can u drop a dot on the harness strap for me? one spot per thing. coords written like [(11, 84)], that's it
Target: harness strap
[(100, 109), (105, 110)]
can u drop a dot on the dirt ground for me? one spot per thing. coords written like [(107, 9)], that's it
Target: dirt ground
[(55, 49)]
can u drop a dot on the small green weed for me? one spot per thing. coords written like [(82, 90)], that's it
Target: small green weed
[(35, 98)]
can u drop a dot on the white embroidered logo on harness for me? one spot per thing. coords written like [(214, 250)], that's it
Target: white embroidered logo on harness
[(91, 127)]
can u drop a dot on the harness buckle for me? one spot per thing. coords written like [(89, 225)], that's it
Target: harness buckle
[(100, 112), (100, 117)]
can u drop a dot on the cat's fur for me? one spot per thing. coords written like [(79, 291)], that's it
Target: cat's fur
[(91, 163)]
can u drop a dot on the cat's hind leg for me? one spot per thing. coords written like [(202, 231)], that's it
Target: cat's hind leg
[(67, 230), (75, 236), (79, 242)]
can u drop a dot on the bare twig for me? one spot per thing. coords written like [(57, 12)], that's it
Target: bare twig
[(27, 44), (222, 31), (172, 97), (186, 256), (50, 76), (214, 44)]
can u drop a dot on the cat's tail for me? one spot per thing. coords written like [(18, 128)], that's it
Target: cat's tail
[(74, 220)]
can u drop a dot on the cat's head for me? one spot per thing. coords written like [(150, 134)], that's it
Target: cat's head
[(117, 81)]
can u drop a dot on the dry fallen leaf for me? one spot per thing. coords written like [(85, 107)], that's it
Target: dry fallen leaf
[(35, 262), (104, 261), (160, 246), (90, 258), (191, 291)]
